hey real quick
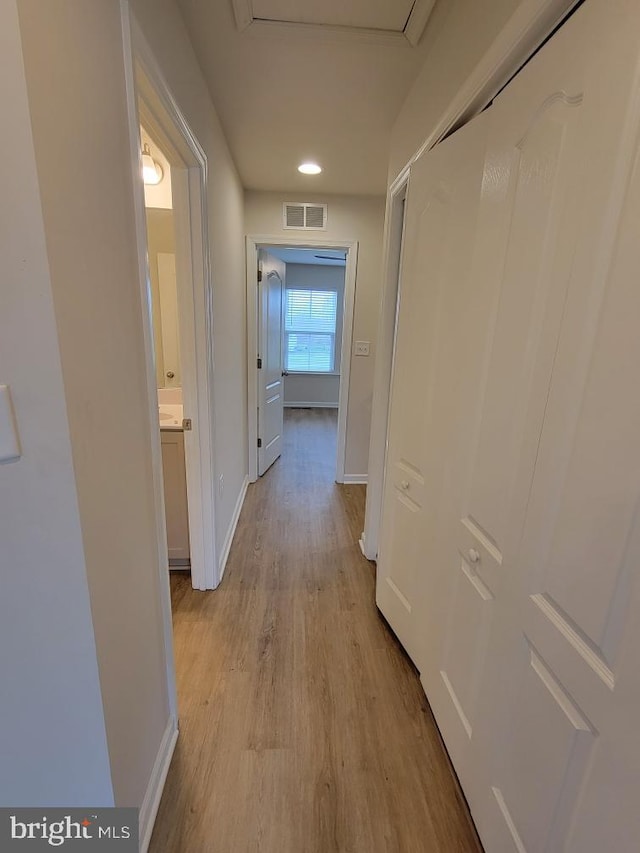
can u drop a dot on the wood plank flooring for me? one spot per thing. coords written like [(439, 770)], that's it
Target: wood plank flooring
[(304, 728)]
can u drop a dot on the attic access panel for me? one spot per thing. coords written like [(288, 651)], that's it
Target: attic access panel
[(379, 15), (391, 22)]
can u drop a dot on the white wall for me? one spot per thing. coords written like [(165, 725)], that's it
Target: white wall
[(316, 389), (75, 78), (164, 30), (73, 50), (309, 390), (349, 218), (458, 34), (52, 737)]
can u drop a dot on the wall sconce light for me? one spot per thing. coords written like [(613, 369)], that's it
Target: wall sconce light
[(151, 170)]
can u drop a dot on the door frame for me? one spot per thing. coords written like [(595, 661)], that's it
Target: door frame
[(383, 374), (253, 243), (526, 30), (150, 101)]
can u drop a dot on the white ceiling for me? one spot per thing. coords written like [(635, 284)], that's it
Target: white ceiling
[(291, 92), (328, 257)]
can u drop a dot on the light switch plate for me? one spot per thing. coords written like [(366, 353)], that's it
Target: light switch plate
[(362, 348), (9, 442)]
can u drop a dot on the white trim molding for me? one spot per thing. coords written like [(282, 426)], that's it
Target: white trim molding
[(383, 371), (153, 795), (409, 36), (418, 20), (255, 242), (228, 539), (307, 405), (363, 547), (355, 479), (161, 555)]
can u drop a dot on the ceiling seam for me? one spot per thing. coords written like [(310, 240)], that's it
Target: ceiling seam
[(406, 23)]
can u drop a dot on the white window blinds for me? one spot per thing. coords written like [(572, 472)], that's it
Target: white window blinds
[(310, 330)]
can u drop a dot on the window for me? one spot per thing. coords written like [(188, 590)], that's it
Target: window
[(310, 330)]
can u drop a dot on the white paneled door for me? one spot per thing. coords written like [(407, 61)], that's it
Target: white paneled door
[(440, 225), (270, 360), (557, 712), (519, 575)]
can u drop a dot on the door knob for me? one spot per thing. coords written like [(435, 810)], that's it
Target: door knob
[(170, 374), (474, 555)]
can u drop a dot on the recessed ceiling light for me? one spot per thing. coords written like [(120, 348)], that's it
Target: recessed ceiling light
[(309, 168)]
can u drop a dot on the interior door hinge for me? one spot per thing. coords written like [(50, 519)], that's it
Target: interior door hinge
[(259, 363), (259, 442)]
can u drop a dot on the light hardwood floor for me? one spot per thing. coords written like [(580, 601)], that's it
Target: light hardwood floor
[(304, 728)]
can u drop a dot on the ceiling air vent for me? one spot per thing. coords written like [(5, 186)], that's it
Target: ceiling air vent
[(304, 217)]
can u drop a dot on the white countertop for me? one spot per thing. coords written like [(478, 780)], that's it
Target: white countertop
[(170, 415)]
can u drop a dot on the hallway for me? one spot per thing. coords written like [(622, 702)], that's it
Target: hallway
[(304, 728)]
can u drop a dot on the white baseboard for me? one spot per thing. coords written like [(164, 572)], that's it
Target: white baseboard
[(151, 802), (224, 556), (307, 405), (355, 479), (363, 547)]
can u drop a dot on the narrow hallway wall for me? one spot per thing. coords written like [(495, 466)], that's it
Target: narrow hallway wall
[(52, 738)]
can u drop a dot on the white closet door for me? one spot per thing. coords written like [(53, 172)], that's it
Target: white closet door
[(525, 243), (546, 536), (567, 771), (510, 535), (444, 193)]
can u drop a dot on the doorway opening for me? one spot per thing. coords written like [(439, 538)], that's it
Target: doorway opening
[(300, 315), (160, 218), (178, 308)]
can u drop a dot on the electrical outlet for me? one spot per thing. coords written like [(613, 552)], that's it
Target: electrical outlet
[(362, 348), (221, 484)]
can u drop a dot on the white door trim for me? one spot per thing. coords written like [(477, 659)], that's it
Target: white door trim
[(161, 554), (255, 242), (152, 102), (531, 23), (392, 270)]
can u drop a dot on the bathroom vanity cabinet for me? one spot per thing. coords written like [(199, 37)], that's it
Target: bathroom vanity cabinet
[(175, 496)]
